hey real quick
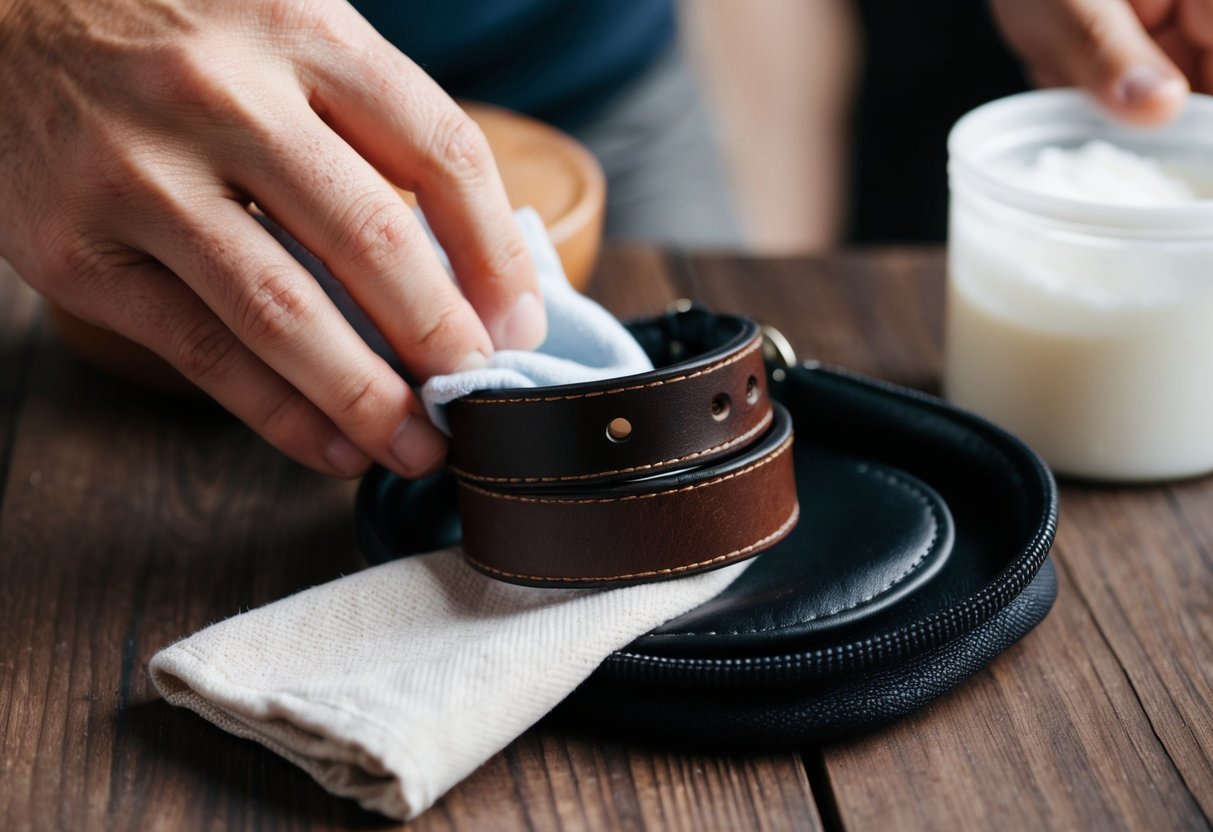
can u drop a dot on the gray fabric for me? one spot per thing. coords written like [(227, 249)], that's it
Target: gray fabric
[(664, 179)]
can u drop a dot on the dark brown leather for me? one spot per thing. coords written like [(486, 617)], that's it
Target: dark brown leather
[(704, 478), (688, 413)]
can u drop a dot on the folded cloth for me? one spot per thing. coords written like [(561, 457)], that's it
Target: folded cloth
[(391, 685), (584, 342)]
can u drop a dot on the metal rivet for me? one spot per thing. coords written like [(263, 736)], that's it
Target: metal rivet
[(619, 429)]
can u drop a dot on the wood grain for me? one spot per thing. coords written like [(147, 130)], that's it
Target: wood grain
[(1050, 736), (633, 281), (128, 521), (550, 781), (878, 311), (1142, 560), (1056, 734), (131, 521)]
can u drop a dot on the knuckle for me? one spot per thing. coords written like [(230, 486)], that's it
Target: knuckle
[(378, 229), (280, 15), (309, 22), (363, 400), (445, 328), (509, 260), (205, 75), (132, 177), (277, 309), (206, 351), (187, 72), (460, 149), (284, 427), (81, 266), (70, 260)]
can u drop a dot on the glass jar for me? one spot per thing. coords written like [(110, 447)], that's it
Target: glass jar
[(1085, 328)]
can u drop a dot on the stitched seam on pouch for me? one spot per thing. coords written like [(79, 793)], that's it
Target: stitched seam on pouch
[(724, 446), (894, 480), (711, 368), (787, 443), (783, 529)]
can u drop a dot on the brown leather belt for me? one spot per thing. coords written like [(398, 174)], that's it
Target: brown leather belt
[(682, 469)]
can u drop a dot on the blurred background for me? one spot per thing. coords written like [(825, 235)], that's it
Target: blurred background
[(833, 115)]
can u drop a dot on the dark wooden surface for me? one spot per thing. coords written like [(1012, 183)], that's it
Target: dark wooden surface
[(128, 521)]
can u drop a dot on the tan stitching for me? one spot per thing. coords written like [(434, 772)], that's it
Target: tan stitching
[(783, 529), (711, 368), (787, 443), (758, 428)]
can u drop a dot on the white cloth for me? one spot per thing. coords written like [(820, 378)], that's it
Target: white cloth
[(584, 343), (392, 685)]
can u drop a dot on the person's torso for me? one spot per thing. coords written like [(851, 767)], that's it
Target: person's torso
[(556, 59)]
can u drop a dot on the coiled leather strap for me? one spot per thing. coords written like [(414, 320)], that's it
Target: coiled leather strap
[(681, 469)]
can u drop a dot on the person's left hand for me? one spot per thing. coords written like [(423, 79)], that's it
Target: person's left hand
[(1138, 57)]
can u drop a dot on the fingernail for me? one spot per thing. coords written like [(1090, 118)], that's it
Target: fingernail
[(344, 457), (472, 361), (1142, 83), (418, 446), (524, 327)]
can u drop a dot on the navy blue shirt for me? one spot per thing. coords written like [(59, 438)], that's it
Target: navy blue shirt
[(556, 59)]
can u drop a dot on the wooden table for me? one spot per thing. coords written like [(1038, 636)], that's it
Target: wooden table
[(129, 521)]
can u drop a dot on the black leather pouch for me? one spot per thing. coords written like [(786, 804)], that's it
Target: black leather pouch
[(921, 554)]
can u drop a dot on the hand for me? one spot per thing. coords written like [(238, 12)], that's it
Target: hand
[(135, 133), (1138, 57)]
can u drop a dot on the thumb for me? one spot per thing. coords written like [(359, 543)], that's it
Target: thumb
[(1101, 46)]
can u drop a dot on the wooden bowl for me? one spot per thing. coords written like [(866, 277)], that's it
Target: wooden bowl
[(541, 166)]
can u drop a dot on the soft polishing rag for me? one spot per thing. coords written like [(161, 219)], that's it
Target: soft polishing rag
[(392, 685)]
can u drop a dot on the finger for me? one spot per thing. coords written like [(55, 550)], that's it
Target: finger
[(335, 204), (153, 307), (396, 116), (1099, 45), (277, 310)]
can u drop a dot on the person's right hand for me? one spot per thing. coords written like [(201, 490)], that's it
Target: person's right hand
[(134, 134)]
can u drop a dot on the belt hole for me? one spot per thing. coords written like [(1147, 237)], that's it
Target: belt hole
[(751, 390), (619, 429), (720, 407)]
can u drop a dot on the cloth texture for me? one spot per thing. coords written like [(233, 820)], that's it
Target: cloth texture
[(391, 685), (584, 341), (557, 60)]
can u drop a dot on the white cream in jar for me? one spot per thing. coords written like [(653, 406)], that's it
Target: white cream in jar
[(1080, 287)]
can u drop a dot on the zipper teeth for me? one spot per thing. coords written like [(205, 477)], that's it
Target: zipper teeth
[(913, 639)]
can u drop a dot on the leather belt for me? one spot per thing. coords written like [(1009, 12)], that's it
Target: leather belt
[(682, 469)]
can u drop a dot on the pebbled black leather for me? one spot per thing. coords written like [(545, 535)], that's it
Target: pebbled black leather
[(921, 555), (780, 716), (872, 535), (867, 666)]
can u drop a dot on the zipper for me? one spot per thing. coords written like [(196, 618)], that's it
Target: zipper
[(883, 648)]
